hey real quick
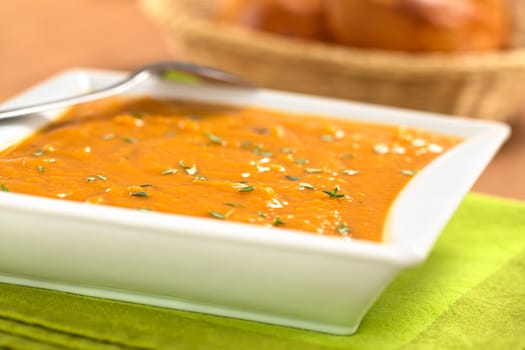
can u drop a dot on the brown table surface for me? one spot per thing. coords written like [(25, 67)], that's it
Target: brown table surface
[(40, 38)]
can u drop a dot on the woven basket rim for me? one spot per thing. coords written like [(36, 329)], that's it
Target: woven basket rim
[(182, 18)]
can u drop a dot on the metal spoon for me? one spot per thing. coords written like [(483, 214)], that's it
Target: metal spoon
[(161, 70)]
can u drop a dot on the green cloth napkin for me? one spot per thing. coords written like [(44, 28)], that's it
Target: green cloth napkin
[(470, 293)]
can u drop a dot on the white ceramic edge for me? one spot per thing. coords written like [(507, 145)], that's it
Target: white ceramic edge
[(389, 257)]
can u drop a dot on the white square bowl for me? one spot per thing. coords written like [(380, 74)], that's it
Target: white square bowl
[(275, 276)]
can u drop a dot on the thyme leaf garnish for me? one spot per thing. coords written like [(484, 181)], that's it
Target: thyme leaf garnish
[(231, 204), (217, 215), (287, 150), (169, 171), (335, 193), (258, 151), (130, 139), (247, 188), (139, 194), (278, 222), (408, 172), (343, 229), (292, 178), (4, 188), (307, 185), (214, 138), (313, 170), (39, 153), (41, 169)]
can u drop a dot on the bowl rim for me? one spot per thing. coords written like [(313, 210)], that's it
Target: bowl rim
[(394, 253)]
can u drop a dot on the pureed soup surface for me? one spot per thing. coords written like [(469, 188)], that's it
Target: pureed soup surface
[(322, 175)]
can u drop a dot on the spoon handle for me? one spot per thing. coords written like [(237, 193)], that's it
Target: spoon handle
[(197, 72), (69, 101)]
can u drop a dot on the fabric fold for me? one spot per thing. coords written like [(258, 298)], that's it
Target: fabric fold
[(469, 287)]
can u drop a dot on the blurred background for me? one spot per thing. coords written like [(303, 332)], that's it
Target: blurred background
[(298, 45)]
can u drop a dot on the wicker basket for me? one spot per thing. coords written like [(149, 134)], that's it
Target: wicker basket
[(487, 86)]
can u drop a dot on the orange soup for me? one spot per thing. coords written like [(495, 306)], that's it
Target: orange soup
[(321, 175)]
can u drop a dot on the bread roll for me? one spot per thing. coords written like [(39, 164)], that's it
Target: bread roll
[(294, 18), (420, 25), (408, 25)]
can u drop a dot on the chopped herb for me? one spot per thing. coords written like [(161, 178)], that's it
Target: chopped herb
[(347, 155), (307, 185), (313, 170), (287, 150), (262, 214), (4, 188), (278, 222), (39, 153), (41, 169), (214, 138), (408, 172), (137, 115), (146, 185), (381, 148), (145, 209), (343, 229), (183, 165), (327, 138), (257, 150), (139, 194), (246, 144), (102, 177), (130, 139), (334, 193), (169, 171), (292, 178), (247, 188), (231, 204), (91, 179), (350, 172), (266, 154), (108, 137), (300, 161), (192, 170), (217, 215), (201, 178)]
